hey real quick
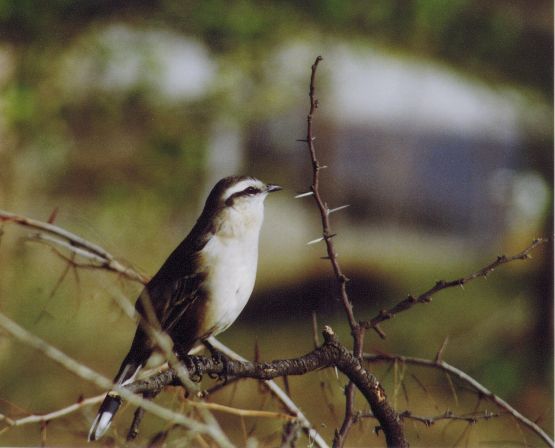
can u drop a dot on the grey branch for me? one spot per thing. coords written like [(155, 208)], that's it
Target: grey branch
[(75, 244), (426, 296), (467, 379), (61, 238), (330, 354)]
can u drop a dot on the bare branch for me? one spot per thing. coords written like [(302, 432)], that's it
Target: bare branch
[(331, 353), (471, 418), (327, 235), (88, 374), (467, 379), (280, 394), (448, 415), (426, 296), (79, 246), (240, 412), (74, 243), (39, 418)]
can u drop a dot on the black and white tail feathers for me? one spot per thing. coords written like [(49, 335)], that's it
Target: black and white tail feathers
[(127, 373)]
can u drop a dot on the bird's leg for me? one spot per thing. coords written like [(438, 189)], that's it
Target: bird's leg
[(218, 357), (193, 364)]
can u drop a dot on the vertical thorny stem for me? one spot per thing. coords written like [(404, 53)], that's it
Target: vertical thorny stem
[(324, 211), (357, 330)]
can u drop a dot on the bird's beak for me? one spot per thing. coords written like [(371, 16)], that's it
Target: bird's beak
[(270, 188)]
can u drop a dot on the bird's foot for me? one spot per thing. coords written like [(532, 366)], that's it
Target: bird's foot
[(194, 366), (219, 358)]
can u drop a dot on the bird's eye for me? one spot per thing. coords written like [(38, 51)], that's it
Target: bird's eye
[(251, 190)]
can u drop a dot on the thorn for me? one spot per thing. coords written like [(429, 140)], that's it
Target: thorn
[(317, 240), (327, 257), (315, 329), (256, 350), (303, 140), (384, 314), (439, 353), (380, 332), (333, 210), (303, 195), (53, 216)]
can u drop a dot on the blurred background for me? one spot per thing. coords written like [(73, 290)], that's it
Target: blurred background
[(435, 122)]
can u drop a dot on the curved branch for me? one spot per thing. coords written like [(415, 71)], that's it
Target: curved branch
[(44, 418), (426, 297), (88, 374), (331, 353), (280, 395), (479, 388), (74, 243), (96, 254)]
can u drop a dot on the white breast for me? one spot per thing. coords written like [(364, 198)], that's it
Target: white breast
[(231, 256)]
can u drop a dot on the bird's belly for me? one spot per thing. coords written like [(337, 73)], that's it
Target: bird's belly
[(230, 283)]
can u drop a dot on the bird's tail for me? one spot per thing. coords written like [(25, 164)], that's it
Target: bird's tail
[(112, 402)]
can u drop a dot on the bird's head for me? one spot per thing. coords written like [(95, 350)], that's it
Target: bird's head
[(238, 201)]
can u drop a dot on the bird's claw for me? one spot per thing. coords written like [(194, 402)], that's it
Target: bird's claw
[(195, 368), (219, 358)]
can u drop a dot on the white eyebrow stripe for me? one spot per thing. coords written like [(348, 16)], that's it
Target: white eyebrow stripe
[(241, 186)]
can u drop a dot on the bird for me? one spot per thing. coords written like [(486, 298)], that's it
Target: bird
[(203, 285)]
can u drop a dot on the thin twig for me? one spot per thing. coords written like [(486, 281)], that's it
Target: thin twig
[(426, 296), (240, 412), (472, 418), (280, 394), (96, 378), (357, 330), (330, 354), (327, 234), (73, 243), (38, 418), (81, 247), (475, 385)]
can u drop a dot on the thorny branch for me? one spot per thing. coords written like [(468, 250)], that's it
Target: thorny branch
[(327, 234), (357, 330), (467, 379), (471, 418), (426, 297), (328, 354), (331, 353), (78, 246), (293, 409), (88, 374)]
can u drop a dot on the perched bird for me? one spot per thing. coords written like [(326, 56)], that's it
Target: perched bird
[(203, 285)]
